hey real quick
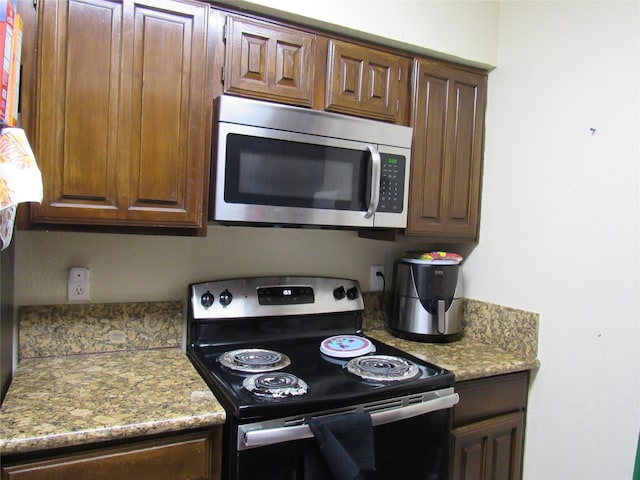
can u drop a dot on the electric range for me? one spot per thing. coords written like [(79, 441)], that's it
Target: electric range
[(279, 351)]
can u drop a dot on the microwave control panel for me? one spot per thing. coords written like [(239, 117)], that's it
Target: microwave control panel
[(391, 183)]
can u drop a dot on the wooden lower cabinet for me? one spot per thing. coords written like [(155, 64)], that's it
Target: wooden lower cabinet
[(489, 425), (192, 456), (491, 449)]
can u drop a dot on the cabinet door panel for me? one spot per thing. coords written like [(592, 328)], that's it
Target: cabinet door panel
[(462, 173), (506, 452), (121, 112), (363, 81), (350, 74), (169, 105), (490, 449), (253, 60), (446, 163), (268, 61), (185, 458), (287, 65), (89, 111), (427, 173), (469, 458), (162, 59), (78, 101)]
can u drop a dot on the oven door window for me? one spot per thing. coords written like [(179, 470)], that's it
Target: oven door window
[(267, 171)]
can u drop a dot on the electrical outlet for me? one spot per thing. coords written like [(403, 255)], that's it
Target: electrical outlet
[(376, 282), (78, 285)]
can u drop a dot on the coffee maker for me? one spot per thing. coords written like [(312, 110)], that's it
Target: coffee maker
[(427, 297)]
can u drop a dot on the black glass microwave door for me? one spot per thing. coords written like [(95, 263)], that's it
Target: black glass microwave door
[(267, 171)]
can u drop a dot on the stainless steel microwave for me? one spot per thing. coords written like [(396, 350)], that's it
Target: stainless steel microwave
[(282, 165)]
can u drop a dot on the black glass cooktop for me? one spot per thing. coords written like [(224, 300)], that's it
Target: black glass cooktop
[(330, 385)]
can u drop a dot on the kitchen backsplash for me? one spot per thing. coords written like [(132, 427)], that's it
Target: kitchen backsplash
[(508, 328), (55, 330)]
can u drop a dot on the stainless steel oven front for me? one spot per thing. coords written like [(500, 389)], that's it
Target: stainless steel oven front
[(277, 164), (411, 440)]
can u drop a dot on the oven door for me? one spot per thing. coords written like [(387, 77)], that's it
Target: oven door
[(279, 177), (411, 440)]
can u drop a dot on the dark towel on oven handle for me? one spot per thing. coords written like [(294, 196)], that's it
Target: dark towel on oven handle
[(346, 444)]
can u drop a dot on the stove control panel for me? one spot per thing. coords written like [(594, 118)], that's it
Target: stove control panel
[(274, 296), (286, 295)]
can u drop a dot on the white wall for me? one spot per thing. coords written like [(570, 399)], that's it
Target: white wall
[(559, 231), (462, 29), (129, 268)]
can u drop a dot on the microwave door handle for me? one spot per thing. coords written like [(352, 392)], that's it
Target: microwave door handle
[(375, 180)]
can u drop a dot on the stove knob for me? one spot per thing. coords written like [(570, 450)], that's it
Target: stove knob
[(225, 298), (339, 293), (352, 293), (207, 299)]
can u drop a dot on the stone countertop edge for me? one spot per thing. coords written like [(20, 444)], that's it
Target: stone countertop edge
[(496, 339), (81, 399), (467, 358)]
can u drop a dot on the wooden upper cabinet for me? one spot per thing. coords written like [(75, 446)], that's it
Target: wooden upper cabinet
[(366, 82), (121, 112), (446, 160), (268, 61)]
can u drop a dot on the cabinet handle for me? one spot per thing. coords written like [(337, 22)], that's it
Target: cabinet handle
[(375, 181)]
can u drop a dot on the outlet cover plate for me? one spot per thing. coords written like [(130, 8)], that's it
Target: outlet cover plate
[(376, 283), (78, 285)]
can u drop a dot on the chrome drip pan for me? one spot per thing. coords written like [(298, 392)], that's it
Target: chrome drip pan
[(275, 385), (382, 368), (254, 360)]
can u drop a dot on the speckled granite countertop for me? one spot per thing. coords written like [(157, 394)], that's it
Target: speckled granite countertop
[(79, 399), (466, 358), (99, 372), (496, 340)]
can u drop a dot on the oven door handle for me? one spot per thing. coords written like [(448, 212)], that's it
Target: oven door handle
[(410, 411), (258, 438), (375, 180)]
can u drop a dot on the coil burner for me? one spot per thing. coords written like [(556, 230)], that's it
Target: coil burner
[(254, 360), (382, 368), (275, 385)]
